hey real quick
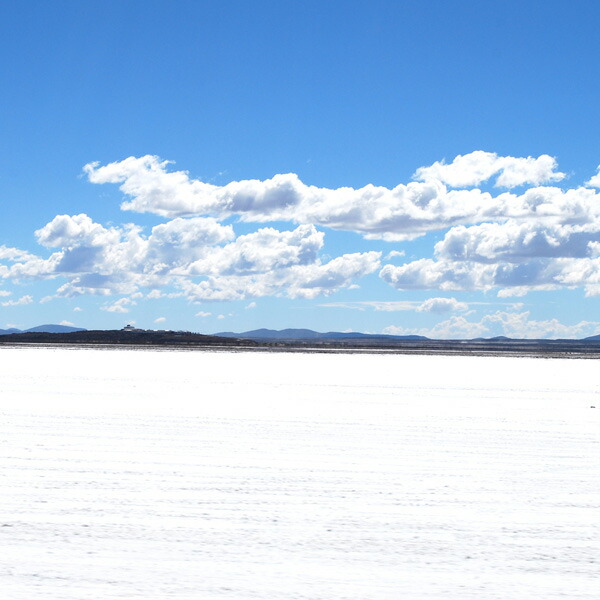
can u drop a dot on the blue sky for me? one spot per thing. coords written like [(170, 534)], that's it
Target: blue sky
[(400, 167)]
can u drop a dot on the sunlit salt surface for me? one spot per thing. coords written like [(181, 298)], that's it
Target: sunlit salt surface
[(200, 475)]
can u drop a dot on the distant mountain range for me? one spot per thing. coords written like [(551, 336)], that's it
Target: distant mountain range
[(309, 334), (266, 335), (301, 335), (43, 329)]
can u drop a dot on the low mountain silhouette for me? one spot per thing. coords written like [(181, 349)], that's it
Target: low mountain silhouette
[(131, 337), (309, 334), (50, 328)]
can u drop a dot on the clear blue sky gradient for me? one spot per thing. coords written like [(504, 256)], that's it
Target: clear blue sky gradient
[(340, 93)]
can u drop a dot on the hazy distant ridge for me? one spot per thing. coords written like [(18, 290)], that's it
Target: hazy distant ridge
[(43, 329), (309, 334)]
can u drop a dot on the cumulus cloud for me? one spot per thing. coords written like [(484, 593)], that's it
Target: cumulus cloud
[(543, 237), (296, 281), (23, 300), (457, 327), (160, 320), (518, 242), (74, 231), (14, 254), (88, 246), (122, 305), (427, 274), (509, 324), (514, 258), (181, 241), (535, 274), (595, 180), (372, 210), (197, 255), (442, 305), (520, 325), (548, 238), (172, 193), (12, 261), (265, 250), (400, 213), (67, 323), (478, 167)]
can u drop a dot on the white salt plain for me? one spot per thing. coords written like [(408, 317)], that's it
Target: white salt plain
[(201, 475)]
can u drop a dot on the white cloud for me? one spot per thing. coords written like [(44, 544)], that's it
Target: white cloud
[(296, 281), (595, 180), (517, 242), (557, 249), (250, 306), (179, 242), (547, 238), (398, 330), (120, 259), (442, 305), (160, 320), (14, 254), (542, 238), (23, 300), (78, 309), (5, 293), (203, 314), (427, 274), (20, 262), (78, 230), (154, 189), (435, 305), (478, 167), (119, 306), (520, 325), (457, 327), (107, 261), (403, 212), (509, 324), (67, 323), (512, 279), (263, 251)]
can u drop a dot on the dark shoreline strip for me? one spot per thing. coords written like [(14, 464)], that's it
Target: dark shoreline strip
[(439, 349)]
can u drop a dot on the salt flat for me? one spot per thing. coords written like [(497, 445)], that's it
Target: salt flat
[(201, 475)]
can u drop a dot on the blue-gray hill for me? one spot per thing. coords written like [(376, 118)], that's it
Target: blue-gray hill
[(50, 328), (8, 331), (309, 334)]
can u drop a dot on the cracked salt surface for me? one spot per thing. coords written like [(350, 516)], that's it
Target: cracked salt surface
[(198, 475)]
